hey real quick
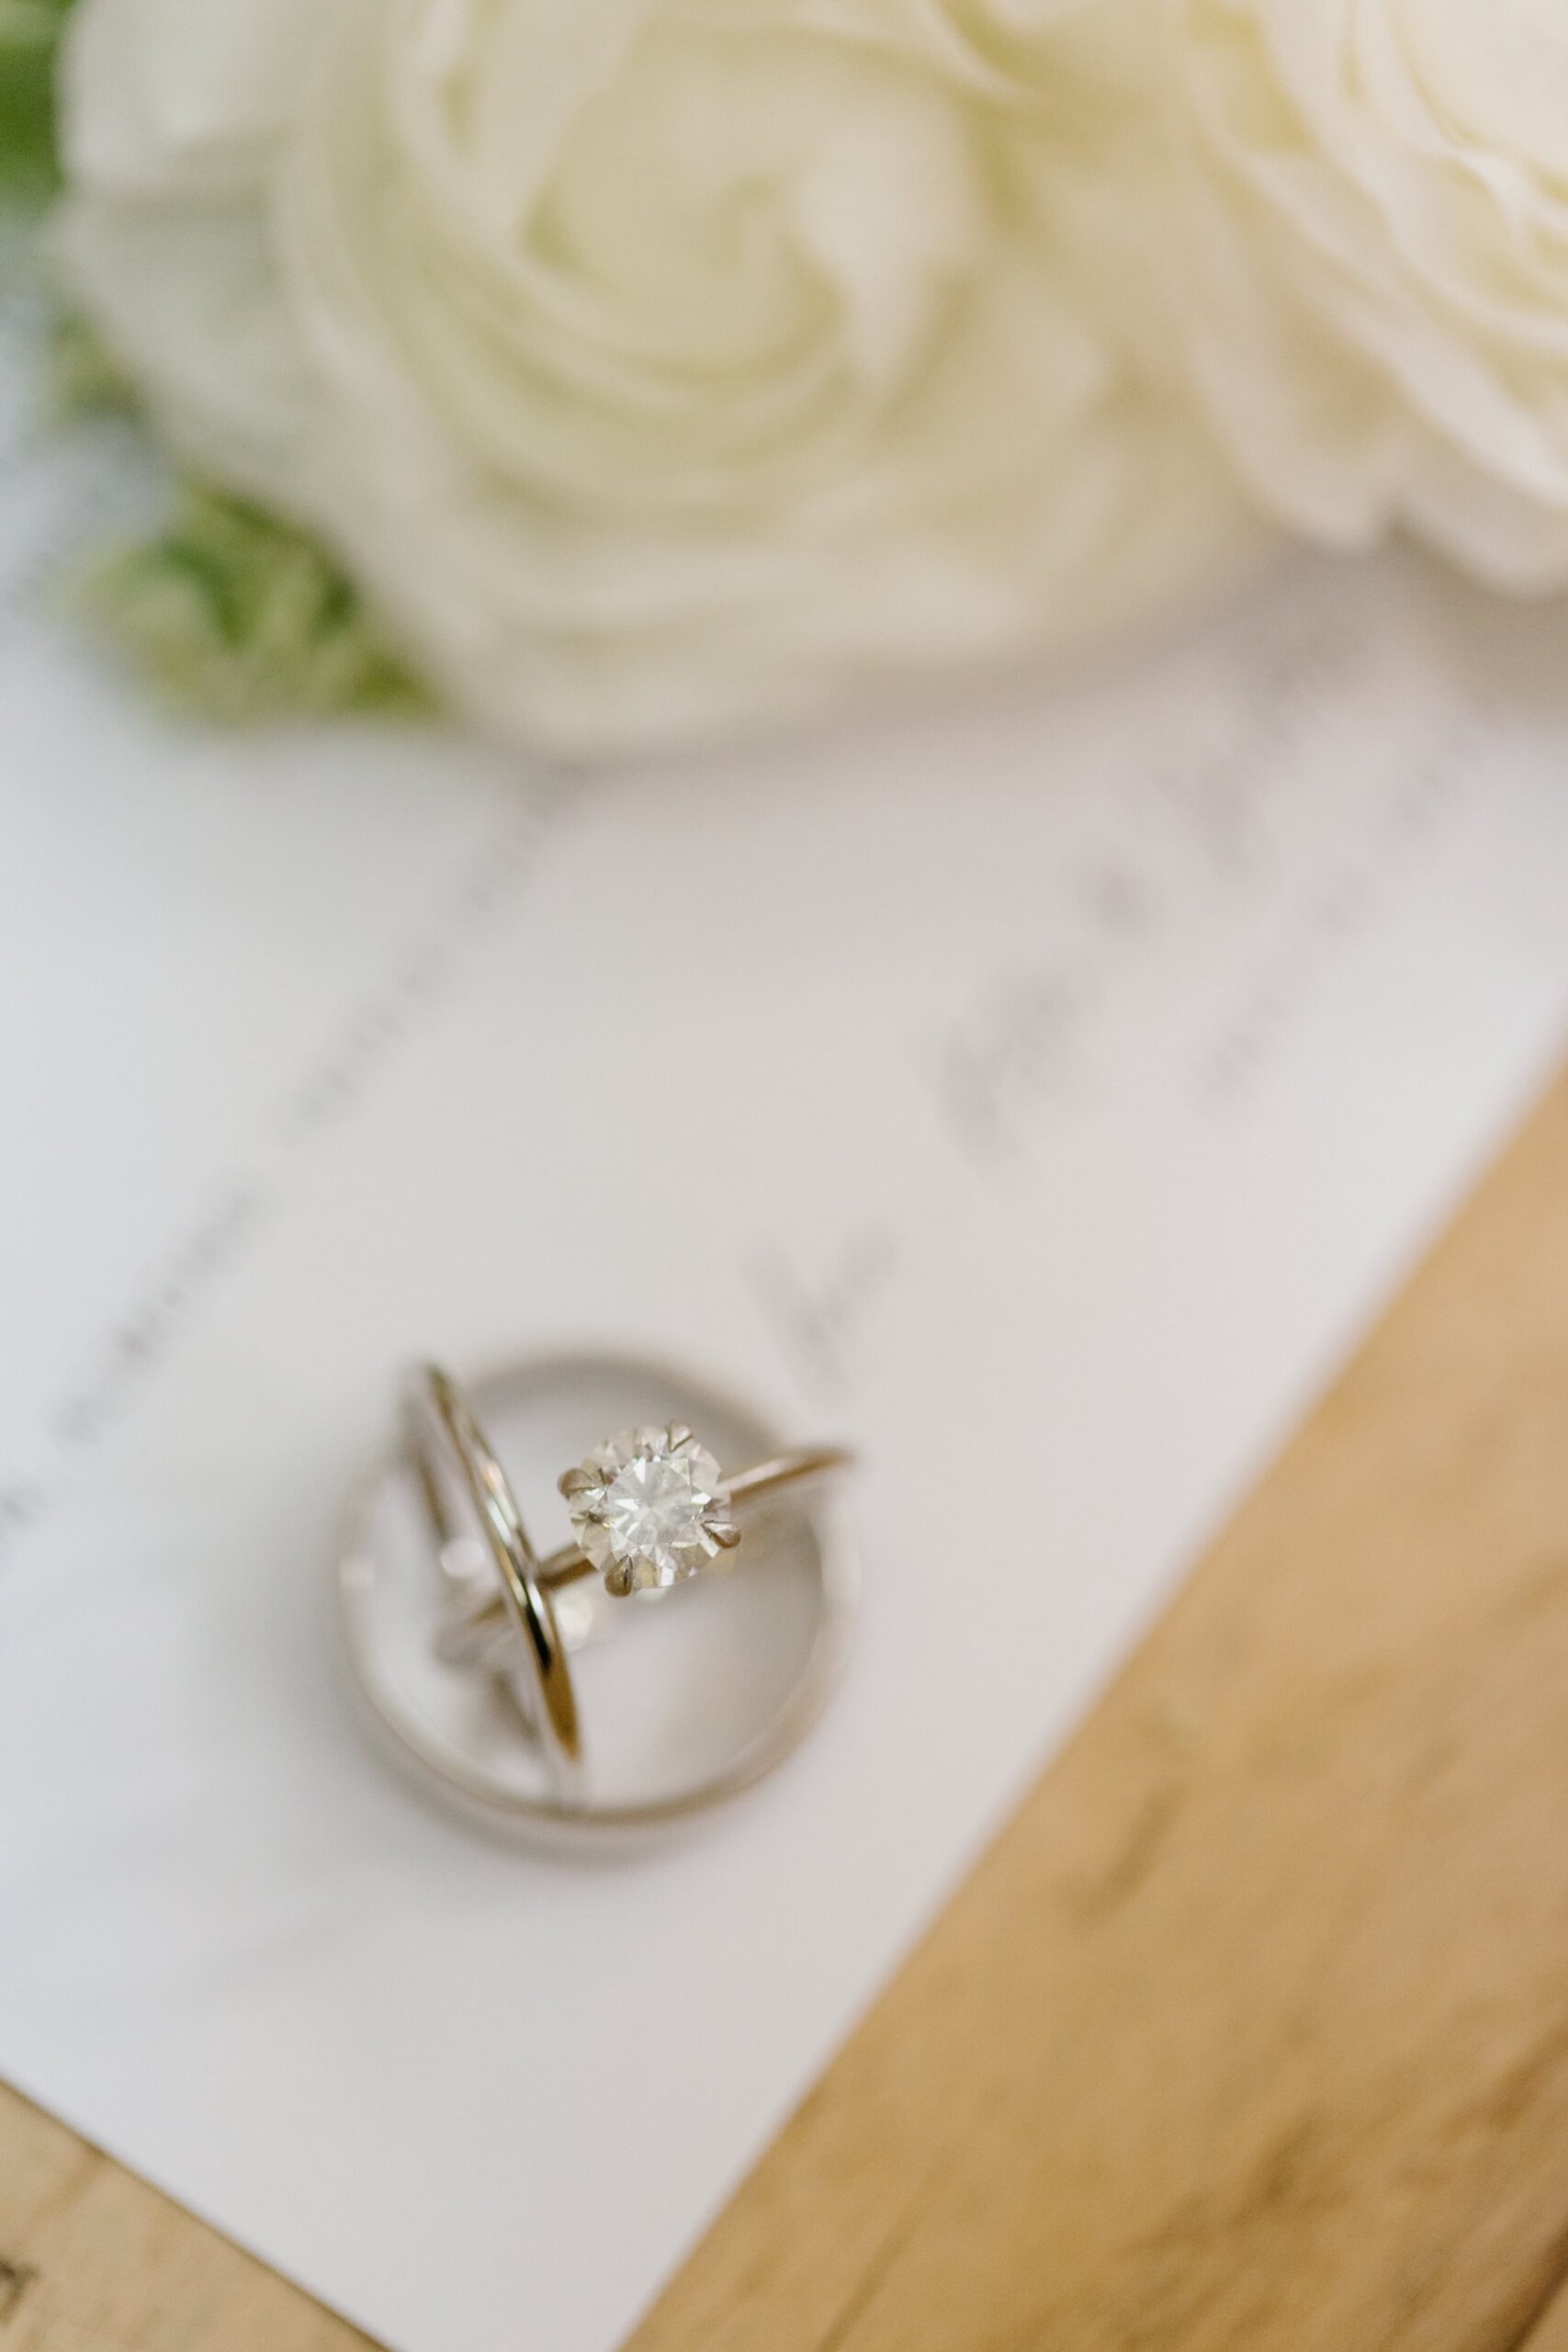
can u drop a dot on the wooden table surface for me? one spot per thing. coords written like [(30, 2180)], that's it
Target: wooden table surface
[(1250, 2032)]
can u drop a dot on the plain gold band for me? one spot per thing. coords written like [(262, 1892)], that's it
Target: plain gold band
[(446, 1442)]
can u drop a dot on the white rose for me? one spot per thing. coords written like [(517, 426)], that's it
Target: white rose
[(1370, 274), (656, 365)]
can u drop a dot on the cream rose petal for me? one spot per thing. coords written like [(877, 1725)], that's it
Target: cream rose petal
[(165, 98), (1365, 254), (659, 367)]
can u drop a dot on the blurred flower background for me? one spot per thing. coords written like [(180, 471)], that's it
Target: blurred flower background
[(628, 373)]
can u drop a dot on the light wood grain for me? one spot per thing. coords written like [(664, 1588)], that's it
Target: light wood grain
[(1252, 2030), (93, 2260)]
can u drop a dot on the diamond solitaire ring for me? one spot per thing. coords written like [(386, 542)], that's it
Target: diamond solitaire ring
[(502, 1675), (649, 1508), (652, 1507)]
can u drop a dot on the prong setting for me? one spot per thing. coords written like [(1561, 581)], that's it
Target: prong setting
[(649, 1508)]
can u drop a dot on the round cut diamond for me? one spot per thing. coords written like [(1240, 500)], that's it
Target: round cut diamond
[(648, 1508)]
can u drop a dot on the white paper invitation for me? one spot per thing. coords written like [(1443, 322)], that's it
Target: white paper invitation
[(1041, 1094)]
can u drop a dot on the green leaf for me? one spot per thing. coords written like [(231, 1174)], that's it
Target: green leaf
[(29, 36), (82, 378), (233, 616), (236, 617)]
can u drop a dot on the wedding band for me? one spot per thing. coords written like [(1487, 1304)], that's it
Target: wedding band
[(446, 1441), (469, 1649)]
